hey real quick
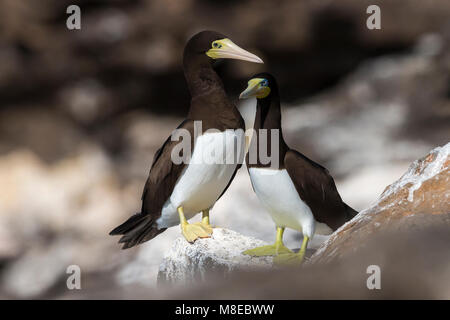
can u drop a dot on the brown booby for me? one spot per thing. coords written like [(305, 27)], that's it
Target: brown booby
[(298, 193), (175, 192)]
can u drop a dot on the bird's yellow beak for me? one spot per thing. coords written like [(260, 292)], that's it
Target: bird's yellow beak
[(255, 89), (227, 49)]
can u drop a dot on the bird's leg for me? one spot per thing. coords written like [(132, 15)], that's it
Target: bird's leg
[(205, 222), (205, 217), (279, 245), (293, 258), (191, 232), (270, 250)]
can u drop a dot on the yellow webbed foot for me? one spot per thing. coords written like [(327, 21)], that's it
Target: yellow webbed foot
[(293, 258), (192, 232), (205, 226), (287, 259), (270, 250)]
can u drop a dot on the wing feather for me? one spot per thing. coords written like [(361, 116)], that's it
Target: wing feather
[(163, 175), (317, 189), (161, 181)]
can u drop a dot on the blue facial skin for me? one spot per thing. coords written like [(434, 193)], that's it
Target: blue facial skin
[(264, 83)]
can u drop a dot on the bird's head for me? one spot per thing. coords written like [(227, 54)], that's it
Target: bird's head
[(217, 46), (260, 86)]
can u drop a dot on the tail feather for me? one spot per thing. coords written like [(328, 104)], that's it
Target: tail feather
[(127, 225), (137, 229), (350, 212)]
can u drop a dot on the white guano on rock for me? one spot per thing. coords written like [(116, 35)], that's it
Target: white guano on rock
[(219, 255)]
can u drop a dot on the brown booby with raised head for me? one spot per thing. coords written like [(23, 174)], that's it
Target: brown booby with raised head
[(298, 193), (175, 192)]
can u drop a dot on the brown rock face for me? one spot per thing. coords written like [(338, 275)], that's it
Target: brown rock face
[(420, 198)]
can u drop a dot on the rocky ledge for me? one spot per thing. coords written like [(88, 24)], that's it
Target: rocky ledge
[(419, 199), (219, 255), (422, 193)]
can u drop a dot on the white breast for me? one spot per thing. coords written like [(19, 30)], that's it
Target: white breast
[(205, 177), (278, 195)]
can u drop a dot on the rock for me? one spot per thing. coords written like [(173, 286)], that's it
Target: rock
[(404, 233), (220, 254), (411, 268), (419, 199)]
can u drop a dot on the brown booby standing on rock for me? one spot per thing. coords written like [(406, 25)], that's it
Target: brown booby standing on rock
[(175, 192), (298, 193)]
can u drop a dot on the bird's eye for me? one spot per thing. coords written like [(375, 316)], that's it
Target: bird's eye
[(264, 83), (216, 45)]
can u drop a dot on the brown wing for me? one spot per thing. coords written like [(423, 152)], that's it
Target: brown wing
[(163, 175), (317, 189)]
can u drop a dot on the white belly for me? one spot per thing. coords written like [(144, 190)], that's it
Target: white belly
[(205, 177), (278, 195)]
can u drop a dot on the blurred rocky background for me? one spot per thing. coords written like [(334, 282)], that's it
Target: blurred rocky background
[(82, 113)]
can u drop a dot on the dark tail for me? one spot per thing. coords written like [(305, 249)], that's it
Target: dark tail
[(137, 229), (350, 212)]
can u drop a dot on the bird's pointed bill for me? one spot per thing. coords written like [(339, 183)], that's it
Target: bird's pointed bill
[(227, 49)]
